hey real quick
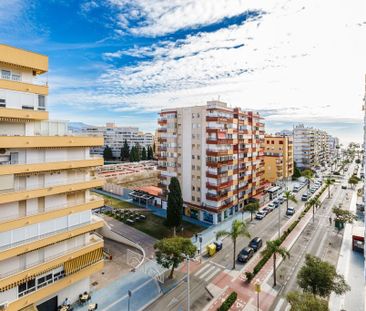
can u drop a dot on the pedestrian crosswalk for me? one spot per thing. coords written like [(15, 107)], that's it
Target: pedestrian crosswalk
[(208, 271)]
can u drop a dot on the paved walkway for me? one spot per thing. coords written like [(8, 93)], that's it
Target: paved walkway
[(351, 266), (114, 297)]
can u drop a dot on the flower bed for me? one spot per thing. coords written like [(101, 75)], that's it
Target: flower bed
[(229, 301)]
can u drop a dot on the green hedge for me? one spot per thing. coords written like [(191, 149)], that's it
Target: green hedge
[(266, 256), (229, 301)]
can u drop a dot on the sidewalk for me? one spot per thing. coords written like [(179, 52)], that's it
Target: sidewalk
[(351, 266)]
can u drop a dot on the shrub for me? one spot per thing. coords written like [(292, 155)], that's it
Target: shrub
[(249, 276), (229, 301)]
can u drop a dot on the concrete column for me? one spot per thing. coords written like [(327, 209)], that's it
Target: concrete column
[(214, 218)]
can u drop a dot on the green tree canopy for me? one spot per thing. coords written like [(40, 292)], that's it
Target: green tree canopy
[(353, 180), (238, 228), (306, 302), (343, 216), (297, 172), (143, 154), (175, 205), (107, 153), (125, 151), (328, 182), (309, 176), (150, 154), (320, 278), (251, 207), (289, 196), (170, 252)]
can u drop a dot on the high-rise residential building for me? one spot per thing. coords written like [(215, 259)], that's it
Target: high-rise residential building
[(216, 154), (278, 158), (47, 246), (311, 147), (115, 136)]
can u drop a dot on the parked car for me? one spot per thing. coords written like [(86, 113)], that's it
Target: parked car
[(281, 199), (256, 243), (271, 207), (260, 215), (266, 210), (245, 254), (276, 203), (305, 197), (218, 245), (313, 189), (290, 211)]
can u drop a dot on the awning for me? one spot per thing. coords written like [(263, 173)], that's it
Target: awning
[(83, 261)]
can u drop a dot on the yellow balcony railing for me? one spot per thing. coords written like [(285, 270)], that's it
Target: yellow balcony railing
[(48, 166), (22, 114)]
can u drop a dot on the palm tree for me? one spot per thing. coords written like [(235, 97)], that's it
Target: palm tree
[(289, 196), (328, 182), (309, 175), (238, 228), (313, 202), (274, 247), (251, 207)]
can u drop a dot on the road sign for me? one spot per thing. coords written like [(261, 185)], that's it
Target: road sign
[(257, 287)]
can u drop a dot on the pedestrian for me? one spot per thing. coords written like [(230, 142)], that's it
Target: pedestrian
[(330, 220)]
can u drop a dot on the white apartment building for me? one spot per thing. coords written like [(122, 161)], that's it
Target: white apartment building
[(312, 147), (216, 154), (115, 136), (47, 246)]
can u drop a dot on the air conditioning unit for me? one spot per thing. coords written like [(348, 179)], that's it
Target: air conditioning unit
[(4, 305)]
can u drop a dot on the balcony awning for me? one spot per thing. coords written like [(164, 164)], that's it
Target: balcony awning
[(78, 263)]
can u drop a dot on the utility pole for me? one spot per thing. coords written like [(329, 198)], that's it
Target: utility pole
[(129, 298)]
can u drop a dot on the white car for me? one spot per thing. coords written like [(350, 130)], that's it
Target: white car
[(271, 207), (260, 215)]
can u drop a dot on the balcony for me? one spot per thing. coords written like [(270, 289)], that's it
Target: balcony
[(8, 223), (39, 241), (49, 166), (20, 194), (219, 186), (218, 153), (22, 114), (17, 276), (162, 121), (88, 269), (219, 119), (49, 141), (217, 197), (18, 86), (220, 141)]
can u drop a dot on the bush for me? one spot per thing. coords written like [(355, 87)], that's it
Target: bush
[(229, 301), (249, 276)]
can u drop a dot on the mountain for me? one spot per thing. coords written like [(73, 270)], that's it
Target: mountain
[(77, 126)]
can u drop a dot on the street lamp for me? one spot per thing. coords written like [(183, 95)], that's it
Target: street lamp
[(188, 284), (257, 287), (129, 298)]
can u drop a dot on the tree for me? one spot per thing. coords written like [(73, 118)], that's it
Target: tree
[(309, 175), (170, 252), (328, 182), (125, 151), (238, 228), (343, 216), (289, 196), (143, 154), (320, 278), (306, 302), (251, 207), (297, 172), (138, 152), (175, 205), (353, 181), (107, 153), (274, 247), (133, 154), (312, 203), (150, 154)]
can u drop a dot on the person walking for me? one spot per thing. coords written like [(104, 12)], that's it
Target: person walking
[(330, 221)]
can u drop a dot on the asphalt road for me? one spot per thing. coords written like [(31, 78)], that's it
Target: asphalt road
[(315, 240)]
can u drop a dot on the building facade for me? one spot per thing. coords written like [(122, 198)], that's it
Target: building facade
[(47, 246), (312, 147), (216, 154), (115, 136), (278, 158)]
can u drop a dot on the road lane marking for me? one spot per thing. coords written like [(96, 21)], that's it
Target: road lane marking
[(279, 304), (217, 270), (217, 264), (202, 269), (207, 272)]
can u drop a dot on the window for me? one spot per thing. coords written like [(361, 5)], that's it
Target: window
[(5, 74), (27, 287), (193, 188), (198, 157), (193, 198), (16, 77), (198, 188), (193, 157), (198, 199), (193, 167), (198, 167), (41, 102)]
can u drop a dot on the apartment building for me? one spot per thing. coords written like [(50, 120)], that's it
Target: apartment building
[(115, 136), (278, 158), (312, 147), (48, 248), (216, 154)]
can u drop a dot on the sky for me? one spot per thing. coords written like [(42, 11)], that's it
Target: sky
[(294, 61)]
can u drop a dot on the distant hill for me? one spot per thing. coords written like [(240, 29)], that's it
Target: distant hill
[(77, 126)]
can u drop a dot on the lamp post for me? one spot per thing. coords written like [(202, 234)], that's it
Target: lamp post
[(129, 298), (257, 287), (188, 284)]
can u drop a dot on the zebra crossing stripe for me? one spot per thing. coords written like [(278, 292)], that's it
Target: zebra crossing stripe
[(202, 269), (217, 270), (207, 272)]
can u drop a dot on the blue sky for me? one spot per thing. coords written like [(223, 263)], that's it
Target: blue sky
[(122, 61)]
